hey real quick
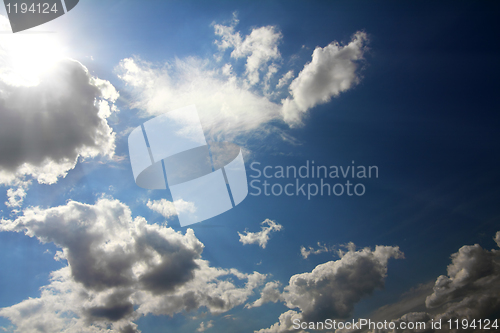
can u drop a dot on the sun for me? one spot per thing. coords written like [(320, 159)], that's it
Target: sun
[(25, 57)]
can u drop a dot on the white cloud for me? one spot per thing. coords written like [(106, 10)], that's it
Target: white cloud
[(204, 327), (475, 273), (497, 238), (261, 237), (168, 209), (119, 269), (259, 48), (226, 108), (232, 105), (332, 289), (332, 70)]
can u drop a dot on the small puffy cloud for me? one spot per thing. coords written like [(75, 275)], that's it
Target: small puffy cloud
[(497, 238), (261, 237), (16, 195), (204, 326), (168, 209), (332, 289), (332, 70), (472, 284), (270, 293), (118, 269)]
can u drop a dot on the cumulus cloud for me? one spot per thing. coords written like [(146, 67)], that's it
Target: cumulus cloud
[(261, 237), (332, 289), (119, 269), (332, 70), (469, 291), (52, 111), (168, 209), (45, 128), (284, 324)]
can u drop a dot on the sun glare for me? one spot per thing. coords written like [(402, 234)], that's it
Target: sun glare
[(25, 57)]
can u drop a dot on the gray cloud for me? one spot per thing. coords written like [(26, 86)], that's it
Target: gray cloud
[(332, 289), (469, 291), (44, 128), (119, 269), (322, 248), (473, 270)]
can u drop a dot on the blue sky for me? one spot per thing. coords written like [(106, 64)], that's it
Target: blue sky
[(407, 87)]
